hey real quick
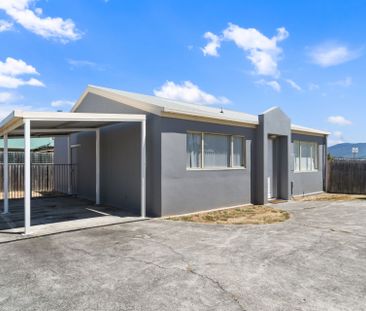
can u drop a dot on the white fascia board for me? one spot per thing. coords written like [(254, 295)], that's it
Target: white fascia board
[(80, 116), (309, 131), (118, 98)]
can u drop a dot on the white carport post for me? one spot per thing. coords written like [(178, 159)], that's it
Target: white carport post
[(143, 168), (27, 176), (97, 166), (68, 165), (6, 174)]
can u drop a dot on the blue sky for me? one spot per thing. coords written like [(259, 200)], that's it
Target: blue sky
[(308, 57)]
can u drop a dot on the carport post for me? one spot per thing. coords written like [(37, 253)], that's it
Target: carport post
[(97, 166), (68, 165), (143, 168), (6, 175), (27, 177)]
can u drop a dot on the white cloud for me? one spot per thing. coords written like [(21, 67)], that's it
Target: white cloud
[(13, 82), (294, 85), (6, 97), (14, 67), (336, 138), (339, 120), (346, 82), (62, 103), (11, 69), (313, 86), (188, 92), (31, 19), (213, 44), (272, 84), (83, 63), (5, 26), (262, 51), (330, 54)]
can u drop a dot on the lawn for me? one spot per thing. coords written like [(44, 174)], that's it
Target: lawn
[(331, 197), (256, 214)]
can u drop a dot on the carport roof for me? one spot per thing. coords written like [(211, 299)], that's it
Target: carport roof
[(61, 123)]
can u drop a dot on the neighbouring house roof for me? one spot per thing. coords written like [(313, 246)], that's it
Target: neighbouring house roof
[(36, 143), (173, 108)]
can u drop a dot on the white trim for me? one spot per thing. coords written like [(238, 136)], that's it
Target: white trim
[(27, 177), (231, 137), (143, 169), (68, 165), (55, 131), (97, 167), (118, 97), (216, 168), (6, 174)]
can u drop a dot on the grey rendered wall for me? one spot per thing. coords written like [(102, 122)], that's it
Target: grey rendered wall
[(120, 174), (308, 182), (60, 150), (274, 122), (185, 191)]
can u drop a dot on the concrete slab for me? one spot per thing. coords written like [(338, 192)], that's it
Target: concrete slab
[(314, 261), (59, 214)]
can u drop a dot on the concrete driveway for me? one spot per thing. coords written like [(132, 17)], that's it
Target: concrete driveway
[(314, 261)]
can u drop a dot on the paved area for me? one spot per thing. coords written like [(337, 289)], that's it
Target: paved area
[(314, 261), (58, 214)]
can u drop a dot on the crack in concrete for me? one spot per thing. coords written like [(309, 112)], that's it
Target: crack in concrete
[(334, 230), (189, 269)]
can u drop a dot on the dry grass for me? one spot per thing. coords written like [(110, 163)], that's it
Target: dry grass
[(256, 214), (331, 197)]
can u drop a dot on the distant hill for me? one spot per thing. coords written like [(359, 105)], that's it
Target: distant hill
[(345, 150)]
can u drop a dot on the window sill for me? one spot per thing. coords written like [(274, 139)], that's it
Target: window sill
[(217, 169), (299, 172)]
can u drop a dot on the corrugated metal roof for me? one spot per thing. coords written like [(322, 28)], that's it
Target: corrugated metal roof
[(178, 107)]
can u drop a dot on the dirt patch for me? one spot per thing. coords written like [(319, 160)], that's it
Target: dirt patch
[(257, 214), (331, 197)]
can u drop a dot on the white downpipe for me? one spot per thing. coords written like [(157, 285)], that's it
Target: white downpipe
[(27, 177), (68, 165), (6, 175), (97, 166), (143, 169)]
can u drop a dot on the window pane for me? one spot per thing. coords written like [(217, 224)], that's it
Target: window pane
[(297, 156), (309, 155), (238, 151), (194, 150), (216, 150)]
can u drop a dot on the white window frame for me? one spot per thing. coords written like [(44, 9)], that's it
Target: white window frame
[(231, 167), (300, 143)]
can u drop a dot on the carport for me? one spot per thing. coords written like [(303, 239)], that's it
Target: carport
[(37, 124)]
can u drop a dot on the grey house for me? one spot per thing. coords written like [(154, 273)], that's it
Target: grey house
[(197, 158)]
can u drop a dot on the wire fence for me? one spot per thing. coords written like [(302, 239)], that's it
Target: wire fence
[(46, 180)]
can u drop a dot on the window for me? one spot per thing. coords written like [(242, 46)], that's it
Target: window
[(305, 156), (206, 150), (216, 151), (238, 151), (194, 150)]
